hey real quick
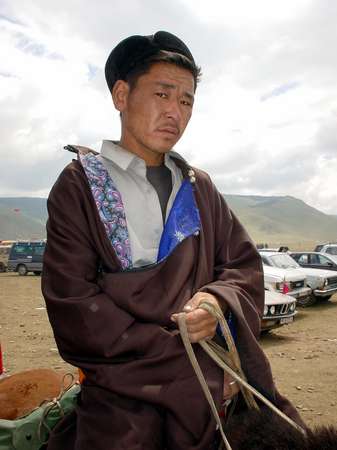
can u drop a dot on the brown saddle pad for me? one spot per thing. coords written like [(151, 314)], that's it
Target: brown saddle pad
[(22, 392)]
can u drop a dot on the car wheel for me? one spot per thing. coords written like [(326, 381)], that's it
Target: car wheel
[(22, 269), (37, 272), (264, 332), (306, 301), (325, 299)]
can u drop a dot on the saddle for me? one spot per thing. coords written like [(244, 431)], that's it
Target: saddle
[(31, 404), (22, 392)]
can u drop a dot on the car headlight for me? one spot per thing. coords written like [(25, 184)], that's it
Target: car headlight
[(292, 307), (272, 309), (265, 310), (326, 282)]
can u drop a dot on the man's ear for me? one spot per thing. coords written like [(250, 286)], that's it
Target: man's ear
[(120, 93)]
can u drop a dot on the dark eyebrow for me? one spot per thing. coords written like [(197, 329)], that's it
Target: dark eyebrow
[(173, 86)]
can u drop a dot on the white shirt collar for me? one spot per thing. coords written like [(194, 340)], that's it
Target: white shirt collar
[(112, 151), (117, 154)]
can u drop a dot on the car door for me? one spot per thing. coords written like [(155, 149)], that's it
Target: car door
[(37, 256), (314, 261), (326, 263)]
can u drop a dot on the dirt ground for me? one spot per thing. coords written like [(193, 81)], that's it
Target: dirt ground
[(303, 355)]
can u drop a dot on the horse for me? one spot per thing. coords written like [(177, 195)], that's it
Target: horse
[(248, 429), (263, 430)]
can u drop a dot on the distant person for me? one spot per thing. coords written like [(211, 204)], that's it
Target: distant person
[(135, 234)]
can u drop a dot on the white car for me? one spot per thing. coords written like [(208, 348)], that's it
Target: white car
[(285, 281), (322, 282), (279, 309), (330, 249)]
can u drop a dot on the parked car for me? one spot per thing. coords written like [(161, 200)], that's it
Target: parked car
[(315, 260), (283, 248), (322, 282), (319, 247), (330, 249), (26, 256), (286, 281), (279, 309), (4, 253)]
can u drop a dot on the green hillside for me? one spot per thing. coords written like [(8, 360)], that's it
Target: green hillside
[(272, 220), (282, 219), (22, 218)]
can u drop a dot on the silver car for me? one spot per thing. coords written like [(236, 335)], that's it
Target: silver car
[(322, 282)]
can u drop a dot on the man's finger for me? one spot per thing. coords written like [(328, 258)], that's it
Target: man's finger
[(207, 325), (199, 315), (196, 337)]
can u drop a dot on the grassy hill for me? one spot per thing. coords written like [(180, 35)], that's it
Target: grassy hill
[(273, 220), (22, 218), (284, 220)]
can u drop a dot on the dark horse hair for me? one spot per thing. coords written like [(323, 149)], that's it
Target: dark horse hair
[(263, 430)]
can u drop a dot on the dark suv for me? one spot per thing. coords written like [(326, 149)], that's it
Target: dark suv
[(26, 256)]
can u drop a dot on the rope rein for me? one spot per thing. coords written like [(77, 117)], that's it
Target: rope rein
[(229, 361), (50, 405)]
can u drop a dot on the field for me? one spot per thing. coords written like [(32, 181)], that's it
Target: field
[(303, 355)]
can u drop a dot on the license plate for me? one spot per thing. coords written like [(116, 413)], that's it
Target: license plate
[(286, 320)]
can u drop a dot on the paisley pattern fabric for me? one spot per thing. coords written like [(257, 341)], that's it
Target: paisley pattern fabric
[(110, 207), (183, 220)]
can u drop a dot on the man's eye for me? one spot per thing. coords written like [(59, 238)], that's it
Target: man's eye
[(161, 94), (186, 103)]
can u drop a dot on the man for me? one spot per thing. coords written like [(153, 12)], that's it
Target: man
[(135, 235)]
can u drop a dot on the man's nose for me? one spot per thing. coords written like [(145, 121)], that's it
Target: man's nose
[(173, 109)]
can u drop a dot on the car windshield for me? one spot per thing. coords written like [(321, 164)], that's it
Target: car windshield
[(332, 250), (283, 261)]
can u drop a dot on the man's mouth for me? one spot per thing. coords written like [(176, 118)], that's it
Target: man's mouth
[(170, 130)]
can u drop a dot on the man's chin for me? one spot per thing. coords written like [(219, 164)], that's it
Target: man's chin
[(166, 145)]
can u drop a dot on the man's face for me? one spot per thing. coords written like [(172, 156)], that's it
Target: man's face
[(156, 111)]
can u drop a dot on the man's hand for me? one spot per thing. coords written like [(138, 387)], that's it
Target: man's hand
[(200, 323)]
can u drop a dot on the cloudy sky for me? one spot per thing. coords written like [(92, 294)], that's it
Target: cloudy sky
[(265, 115)]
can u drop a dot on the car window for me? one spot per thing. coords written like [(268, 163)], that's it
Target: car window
[(284, 261), (333, 258), (22, 250), (323, 260), (39, 250), (314, 259), (331, 250), (303, 259)]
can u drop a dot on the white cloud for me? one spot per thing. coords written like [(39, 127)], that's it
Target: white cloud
[(243, 13), (265, 114)]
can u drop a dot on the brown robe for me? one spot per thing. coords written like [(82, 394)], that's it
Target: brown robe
[(140, 391)]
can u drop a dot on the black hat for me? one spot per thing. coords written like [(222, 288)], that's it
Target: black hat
[(134, 49)]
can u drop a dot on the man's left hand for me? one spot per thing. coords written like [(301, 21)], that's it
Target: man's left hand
[(200, 323)]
